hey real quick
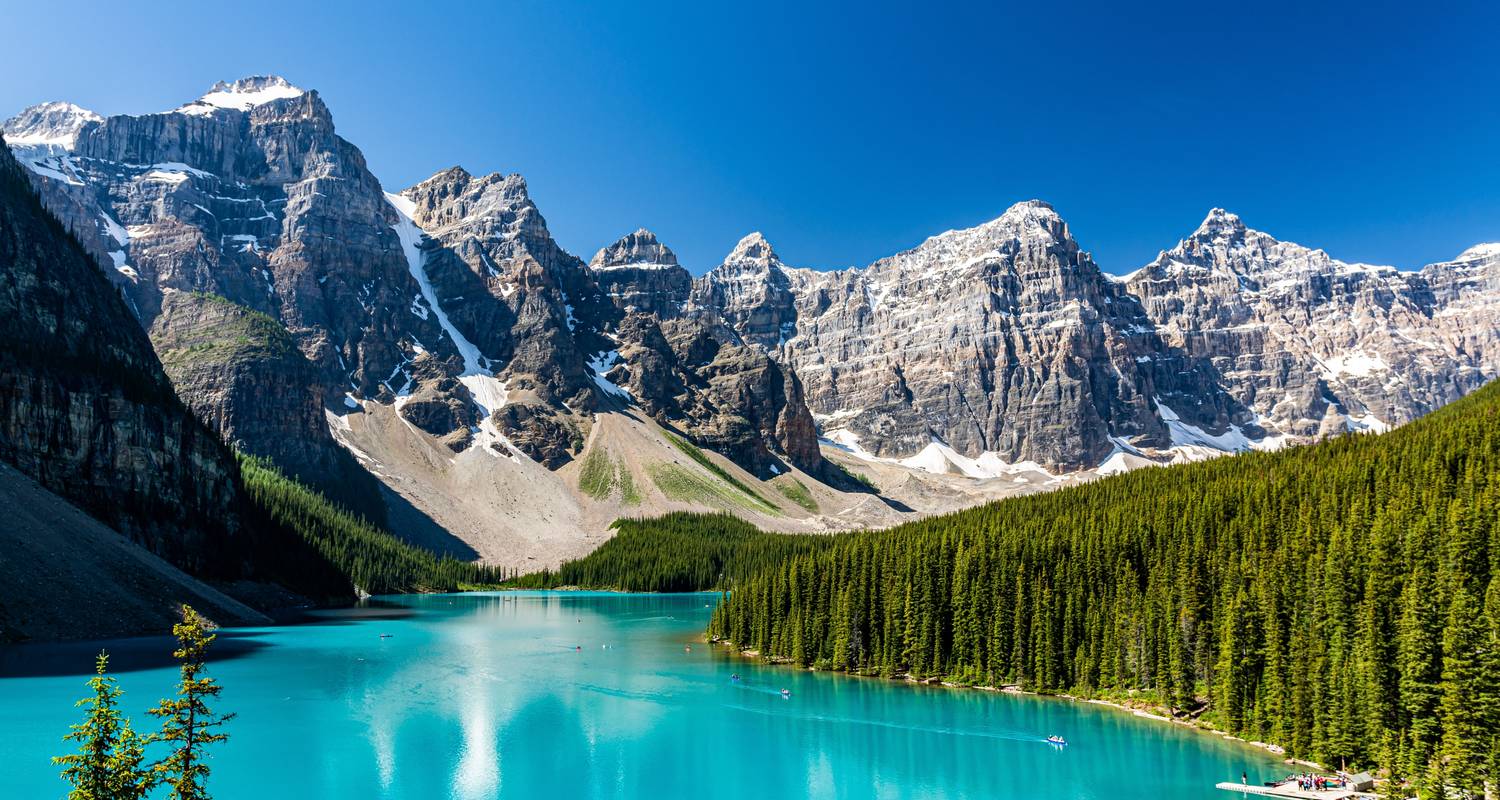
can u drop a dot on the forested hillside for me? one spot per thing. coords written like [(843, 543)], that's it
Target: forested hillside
[(375, 561), (681, 552), (1336, 599)]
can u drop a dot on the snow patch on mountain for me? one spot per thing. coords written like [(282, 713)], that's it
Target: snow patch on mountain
[(1356, 363), (242, 95), (600, 364), (488, 392)]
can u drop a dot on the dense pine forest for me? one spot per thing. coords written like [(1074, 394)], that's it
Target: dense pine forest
[(1336, 599), (680, 552), (373, 559)]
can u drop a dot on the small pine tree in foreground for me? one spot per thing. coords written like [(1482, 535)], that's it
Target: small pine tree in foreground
[(189, 725), (107, 765)]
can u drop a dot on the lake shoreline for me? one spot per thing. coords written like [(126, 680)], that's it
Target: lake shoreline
[(1144, 711)]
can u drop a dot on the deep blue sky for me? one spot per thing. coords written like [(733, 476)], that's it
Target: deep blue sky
[(846, 134)]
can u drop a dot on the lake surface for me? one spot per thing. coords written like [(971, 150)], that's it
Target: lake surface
[(593, 695)]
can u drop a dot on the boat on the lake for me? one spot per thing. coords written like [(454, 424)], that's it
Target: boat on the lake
[(1057, 740)]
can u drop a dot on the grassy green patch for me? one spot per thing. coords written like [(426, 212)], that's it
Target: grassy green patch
[(687, 486), (692, 451), (630, 495), (795, 491), (597, 474), (601, 475)]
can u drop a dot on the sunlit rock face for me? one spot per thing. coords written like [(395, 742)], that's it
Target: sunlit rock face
[(1004, 339), (1315, 346)]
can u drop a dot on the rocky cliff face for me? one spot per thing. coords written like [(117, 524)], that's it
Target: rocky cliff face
[(752, 292), (640, 274), (1002, 343), (981, 352), (87, 412), (243, 376), (247, 193), (84, 406), (1313, 345)]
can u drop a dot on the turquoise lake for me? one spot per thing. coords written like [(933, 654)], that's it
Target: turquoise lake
[(594, 695)]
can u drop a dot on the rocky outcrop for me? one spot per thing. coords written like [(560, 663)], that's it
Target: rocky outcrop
[(752, 292), (640, 274), (525, 302), (247, 193), (437, 402), (545, 436), (243, 376)]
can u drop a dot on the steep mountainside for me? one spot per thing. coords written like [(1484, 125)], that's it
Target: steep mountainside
[(448, 303), (1001, 347), (87, 413), (84, 406), (242, 374)]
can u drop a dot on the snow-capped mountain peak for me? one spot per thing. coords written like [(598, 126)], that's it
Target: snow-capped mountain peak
[(243, 94), (753, 247), (48, 125), (1480, 252)]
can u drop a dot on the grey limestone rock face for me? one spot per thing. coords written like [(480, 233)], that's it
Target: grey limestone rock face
[(1314, 345), (639, 273), (241, 373), (1004, 339)]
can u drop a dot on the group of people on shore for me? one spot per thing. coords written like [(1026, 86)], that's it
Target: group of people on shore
[(1308, 782)]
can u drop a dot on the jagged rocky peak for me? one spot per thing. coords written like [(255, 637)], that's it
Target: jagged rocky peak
[(454, 196), (752, 292), (1032, 227), (1220, 224), (754, 249), (54, 124), (243, 94), (639, 273), (640, 250), (1224, 243)]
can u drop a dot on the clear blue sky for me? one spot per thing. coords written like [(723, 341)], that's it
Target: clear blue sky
[(849, 133)]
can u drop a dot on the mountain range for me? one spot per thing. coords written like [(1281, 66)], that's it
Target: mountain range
[(432, 358)]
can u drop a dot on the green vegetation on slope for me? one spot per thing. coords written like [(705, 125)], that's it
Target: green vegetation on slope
[(680, 552), (596, 474), (858, 477), (241, 334), (796, 491), (600, 475), (692, 451), (375, 560), (684, 485), (1339, 599)]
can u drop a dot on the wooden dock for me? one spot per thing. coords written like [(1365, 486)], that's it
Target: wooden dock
[(1290, 790)]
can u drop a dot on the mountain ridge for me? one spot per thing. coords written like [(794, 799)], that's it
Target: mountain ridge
[(993, 359)]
